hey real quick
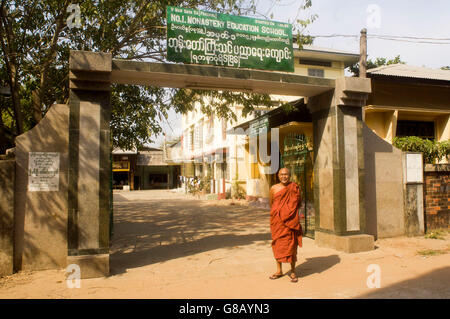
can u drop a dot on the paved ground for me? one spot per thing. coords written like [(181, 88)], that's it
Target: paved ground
[(170, 245)]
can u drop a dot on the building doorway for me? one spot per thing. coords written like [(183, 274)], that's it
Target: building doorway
[(298, 158)]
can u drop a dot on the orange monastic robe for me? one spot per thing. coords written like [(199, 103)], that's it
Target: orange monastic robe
[(285, 225)]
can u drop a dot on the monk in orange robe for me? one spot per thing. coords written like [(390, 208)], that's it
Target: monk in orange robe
[(284, 223)]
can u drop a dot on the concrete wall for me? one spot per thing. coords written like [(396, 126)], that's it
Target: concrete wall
[(6, 216), (443, 128), (41, 216), (414, 212), (383, 187)]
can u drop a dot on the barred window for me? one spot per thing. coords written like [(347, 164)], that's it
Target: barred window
[(186, 140), (416, 128), (191, 140), (316, 72), (198, 136)]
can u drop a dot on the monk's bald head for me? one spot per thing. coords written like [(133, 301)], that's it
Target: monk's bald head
[(284, 170), (284, 175)]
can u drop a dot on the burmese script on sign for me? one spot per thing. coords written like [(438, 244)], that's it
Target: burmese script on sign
[(201, 37), (43, 171)]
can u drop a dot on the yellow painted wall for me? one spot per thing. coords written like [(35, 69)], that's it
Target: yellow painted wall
[(443, 128), (376, 122), (335, 71)]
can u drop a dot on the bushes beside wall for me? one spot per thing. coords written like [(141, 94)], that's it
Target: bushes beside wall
[(432, 151), (436, 178)]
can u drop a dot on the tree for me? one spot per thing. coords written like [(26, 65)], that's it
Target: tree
[(371, 64), (35, 41), (446, 67)]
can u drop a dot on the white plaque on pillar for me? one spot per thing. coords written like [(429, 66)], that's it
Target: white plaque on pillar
[(414, 168), (43, 172)]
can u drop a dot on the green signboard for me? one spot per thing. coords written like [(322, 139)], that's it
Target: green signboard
[(202, 37)]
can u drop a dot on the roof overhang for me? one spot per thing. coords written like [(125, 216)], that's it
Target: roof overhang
[(242, 129), (324, 54)]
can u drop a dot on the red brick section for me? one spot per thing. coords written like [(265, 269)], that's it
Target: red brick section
[(437, 199)]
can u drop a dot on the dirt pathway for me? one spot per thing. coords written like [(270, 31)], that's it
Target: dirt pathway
[(169, 245)]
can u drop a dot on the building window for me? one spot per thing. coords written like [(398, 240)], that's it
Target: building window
[(320, 73), (186, 140), (209, 130), (315, 62), (191, 140), (198, 136), (415, 128)]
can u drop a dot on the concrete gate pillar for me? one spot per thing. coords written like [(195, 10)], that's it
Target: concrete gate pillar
[(339, 166), (89, 162)]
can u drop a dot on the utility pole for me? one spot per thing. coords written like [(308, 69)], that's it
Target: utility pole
[(363, 53)]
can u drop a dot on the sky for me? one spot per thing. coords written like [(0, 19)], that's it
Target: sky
[(404, 18)]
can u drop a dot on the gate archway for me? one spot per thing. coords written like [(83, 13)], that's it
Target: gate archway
[(338, 165)]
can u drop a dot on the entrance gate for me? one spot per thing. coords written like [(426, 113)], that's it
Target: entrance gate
[(82, 234), (297, 157)]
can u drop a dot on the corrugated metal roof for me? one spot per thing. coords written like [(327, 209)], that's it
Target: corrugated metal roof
[(277, 117), (409, 71)]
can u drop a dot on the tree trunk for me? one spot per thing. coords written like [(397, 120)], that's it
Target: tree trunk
[(37, 106), (16, 100)]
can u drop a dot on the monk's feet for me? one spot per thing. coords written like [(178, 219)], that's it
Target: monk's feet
[(276, 276), (293, 277)]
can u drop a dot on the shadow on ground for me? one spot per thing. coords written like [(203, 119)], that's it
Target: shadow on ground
[(435, 284), (316, 265), (153, 231), (120, 261)]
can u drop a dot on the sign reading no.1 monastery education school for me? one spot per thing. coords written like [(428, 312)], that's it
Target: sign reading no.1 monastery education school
[(202, 37)]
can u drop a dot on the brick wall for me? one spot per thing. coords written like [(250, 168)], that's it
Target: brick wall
[(437, 196)]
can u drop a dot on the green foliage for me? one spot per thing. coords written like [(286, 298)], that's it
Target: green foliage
[(300, 25), (436, 234), (444, 149), (237, 190), (35, 45), (205, 184), (193, 187), (432, 252), (447, 67), (371, 64), (432, 151)]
